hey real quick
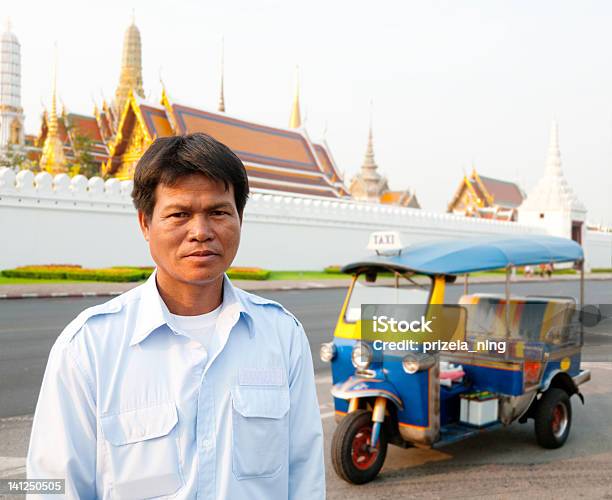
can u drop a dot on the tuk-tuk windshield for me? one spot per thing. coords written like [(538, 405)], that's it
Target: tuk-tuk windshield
[(407, 292)]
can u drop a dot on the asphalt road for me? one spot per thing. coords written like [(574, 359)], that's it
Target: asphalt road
[(505, 463), (28, 328)]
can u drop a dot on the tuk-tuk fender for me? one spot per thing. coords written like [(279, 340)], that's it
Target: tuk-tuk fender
[(359, 387), (562, 380)]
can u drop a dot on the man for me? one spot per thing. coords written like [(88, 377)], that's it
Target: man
[(183, 387)]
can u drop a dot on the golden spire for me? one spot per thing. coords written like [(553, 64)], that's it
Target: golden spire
[(221, 106), (52, 159), (131, 68), (295, 121), (53, 117)]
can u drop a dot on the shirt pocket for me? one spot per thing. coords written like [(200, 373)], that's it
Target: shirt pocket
[(143, 450), (260, 430)]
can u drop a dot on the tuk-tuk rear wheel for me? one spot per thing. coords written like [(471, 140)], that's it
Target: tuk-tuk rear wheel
[(553, 418), (352, 458)]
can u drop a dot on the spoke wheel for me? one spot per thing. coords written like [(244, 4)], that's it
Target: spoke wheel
[(352, 456)]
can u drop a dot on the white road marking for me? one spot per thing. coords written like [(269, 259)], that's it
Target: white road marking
[(602, 365), (19, 418), (12, 466), (323, 379)]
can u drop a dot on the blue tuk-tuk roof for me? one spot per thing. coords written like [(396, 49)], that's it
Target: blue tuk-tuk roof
[(460, 256)]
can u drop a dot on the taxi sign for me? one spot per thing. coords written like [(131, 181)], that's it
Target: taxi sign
[(385, 243)]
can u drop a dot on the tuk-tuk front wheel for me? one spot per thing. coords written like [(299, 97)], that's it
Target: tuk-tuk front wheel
[(353, 458), (553, 418)]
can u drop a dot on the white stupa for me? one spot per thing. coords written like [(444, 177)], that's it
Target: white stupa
[(11, 113), (552, 203)]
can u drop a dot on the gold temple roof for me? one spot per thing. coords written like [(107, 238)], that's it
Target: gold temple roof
[(275, 158)]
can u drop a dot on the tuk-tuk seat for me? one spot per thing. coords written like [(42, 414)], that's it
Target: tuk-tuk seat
[(532, 318)]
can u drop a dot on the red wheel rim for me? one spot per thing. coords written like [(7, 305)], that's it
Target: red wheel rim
[(362, 457), (559, 419)]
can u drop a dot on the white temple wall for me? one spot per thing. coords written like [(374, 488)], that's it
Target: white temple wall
[(300, 232), (553, 223), (59, 220), (598, 249)]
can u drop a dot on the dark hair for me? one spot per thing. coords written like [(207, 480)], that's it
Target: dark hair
[(170, 158)]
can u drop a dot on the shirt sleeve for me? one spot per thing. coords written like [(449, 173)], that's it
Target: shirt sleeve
[(306, 466), (63, 439)]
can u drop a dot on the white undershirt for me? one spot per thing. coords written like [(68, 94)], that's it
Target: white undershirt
[(200, 328)]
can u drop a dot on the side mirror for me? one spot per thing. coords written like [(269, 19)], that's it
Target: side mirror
[(590, 315)]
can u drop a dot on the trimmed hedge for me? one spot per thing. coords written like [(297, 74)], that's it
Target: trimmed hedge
[(248, 273), (333, 270), (136, 268), (114, 274), (77, 273)]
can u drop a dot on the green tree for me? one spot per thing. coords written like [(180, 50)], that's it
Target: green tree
[(82, 146), (13, 157)]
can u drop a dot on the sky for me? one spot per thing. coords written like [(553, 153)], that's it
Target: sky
[(453, 84)]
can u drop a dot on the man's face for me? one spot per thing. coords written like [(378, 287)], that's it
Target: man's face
[(194, 231)]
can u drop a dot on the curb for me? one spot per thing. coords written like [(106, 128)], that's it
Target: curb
[(66, 295), (306, 285)]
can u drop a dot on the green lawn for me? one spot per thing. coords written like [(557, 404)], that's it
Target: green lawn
[(304, 275)]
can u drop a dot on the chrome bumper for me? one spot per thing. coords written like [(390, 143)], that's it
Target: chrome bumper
[(582, 377)]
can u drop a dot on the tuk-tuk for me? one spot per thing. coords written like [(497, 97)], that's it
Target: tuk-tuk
[(440, 395)]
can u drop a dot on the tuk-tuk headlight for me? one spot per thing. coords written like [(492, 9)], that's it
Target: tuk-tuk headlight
[(361, 355), (327, 352), (411, 364)]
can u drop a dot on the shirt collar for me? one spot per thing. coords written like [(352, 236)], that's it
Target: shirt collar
[(153, 312)]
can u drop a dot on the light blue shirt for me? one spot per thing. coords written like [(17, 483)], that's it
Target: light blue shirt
[(131, 408)]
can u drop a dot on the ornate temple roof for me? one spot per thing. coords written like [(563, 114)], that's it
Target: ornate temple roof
[(505, 194), (486, 197), (406, 198), (553, 192), (275, 158), (280, 159), (330, 168)]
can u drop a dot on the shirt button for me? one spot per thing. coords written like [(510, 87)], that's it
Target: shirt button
[(206, 444)]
